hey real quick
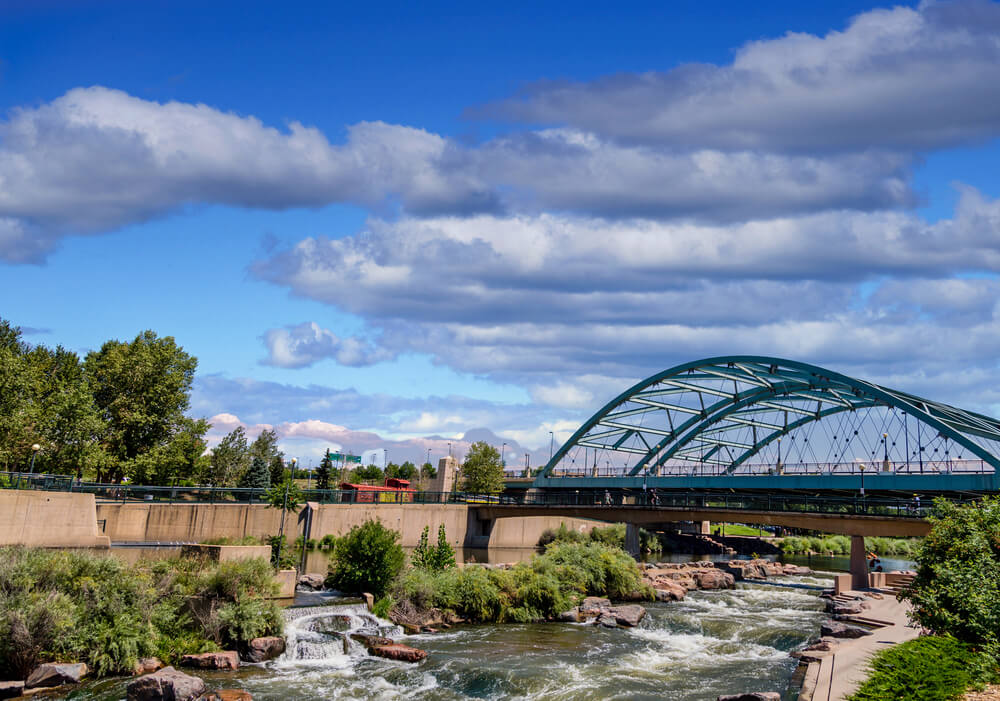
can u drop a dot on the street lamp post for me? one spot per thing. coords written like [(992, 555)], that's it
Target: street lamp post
[(778, 470), (503, 449), (34, 451), (885, 452), (862, 468), (552, 440)]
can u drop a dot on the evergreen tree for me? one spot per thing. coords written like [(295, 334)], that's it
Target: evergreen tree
[(257, 476), (324, 471), (444, 555), (422, 557), (276, 466)]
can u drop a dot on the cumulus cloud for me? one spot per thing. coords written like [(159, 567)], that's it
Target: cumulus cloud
[(906, 79), (304, 344)]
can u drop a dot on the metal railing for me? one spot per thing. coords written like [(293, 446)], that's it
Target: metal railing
[(687, 469), (596, 498)]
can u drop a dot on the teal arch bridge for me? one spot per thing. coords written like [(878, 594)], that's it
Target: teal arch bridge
[(769, 425)]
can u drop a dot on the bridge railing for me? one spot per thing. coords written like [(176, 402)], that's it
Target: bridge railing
[(610, 499), (688, 469)]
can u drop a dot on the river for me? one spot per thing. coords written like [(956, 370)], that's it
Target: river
[(713, 642)]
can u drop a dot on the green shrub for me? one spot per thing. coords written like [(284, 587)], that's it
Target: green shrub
[(957, 587), (328, 542), (930, 668), (367, 559), (613, 535), (562, 535), (99, 610)]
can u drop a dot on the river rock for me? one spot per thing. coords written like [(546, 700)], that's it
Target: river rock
[(399, 652), (227, 695), (212, 660), (369, 600), (593, 605), (371, 640), (147, 665), (571, 616), (168, 684), (821, 646), (669, 591), (755, 696), (11, 690), (715, 579), (312, 581), (263, 649), (789, 570), (55, 675), (842, 630), (607, 620), (629, 615)]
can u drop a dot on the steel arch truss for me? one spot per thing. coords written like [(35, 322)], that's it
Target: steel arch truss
[(724, 415)]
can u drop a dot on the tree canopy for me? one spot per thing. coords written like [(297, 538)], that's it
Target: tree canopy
[(482, 471), (118, 413)]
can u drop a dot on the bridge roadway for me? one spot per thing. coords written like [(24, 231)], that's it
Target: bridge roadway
[(853, 524)]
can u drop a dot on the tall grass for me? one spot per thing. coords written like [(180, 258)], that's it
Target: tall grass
[(537, 590), (841, 545), (72, 606)]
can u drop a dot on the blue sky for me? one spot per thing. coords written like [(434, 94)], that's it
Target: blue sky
[(374, 224)]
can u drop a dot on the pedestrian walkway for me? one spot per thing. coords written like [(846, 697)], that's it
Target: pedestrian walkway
[(843, 669)]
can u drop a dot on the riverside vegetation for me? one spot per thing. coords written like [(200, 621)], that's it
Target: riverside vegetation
[(369, 558), (61, 606), (956, 598)]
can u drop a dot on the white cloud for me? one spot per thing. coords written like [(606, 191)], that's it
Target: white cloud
[(304, 344), (904, 79)]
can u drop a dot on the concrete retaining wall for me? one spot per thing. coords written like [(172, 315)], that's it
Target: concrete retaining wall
[(141, 522), (49, 520)]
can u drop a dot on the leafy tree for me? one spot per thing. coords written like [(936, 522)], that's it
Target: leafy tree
[(230, 458), (141, 390), (266, 446), (276, 466), (957, 587), (406, 471), (324, 471), (367, 559), (427, 471), (482, 471), (364, 473), (183, 458), (258, 476), (286, 495)]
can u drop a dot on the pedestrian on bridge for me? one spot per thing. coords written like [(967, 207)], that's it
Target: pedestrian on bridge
[(607, 498)]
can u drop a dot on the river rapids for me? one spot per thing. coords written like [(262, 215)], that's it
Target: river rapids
[(712, 643)]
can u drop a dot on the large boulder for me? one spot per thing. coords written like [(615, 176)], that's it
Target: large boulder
[(629, 615), (842, 630), (669, 591), (846, 608), (312, 582), (755, 696), (593, 605), (571, 616), (607, 620), (371, 640), (147, 665), (50, 674), (263, 649), (168, 684), (212, 660), (399, 652), (715, 579), (11, 690)]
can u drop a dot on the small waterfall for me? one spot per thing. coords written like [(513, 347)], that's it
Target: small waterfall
[(323, 633)]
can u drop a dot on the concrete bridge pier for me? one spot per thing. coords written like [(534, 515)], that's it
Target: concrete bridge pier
[(859, 563), (632, 540)]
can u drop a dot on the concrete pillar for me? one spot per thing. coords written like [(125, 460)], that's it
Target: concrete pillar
[(632, 539), (859, 563), (705, 528)]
